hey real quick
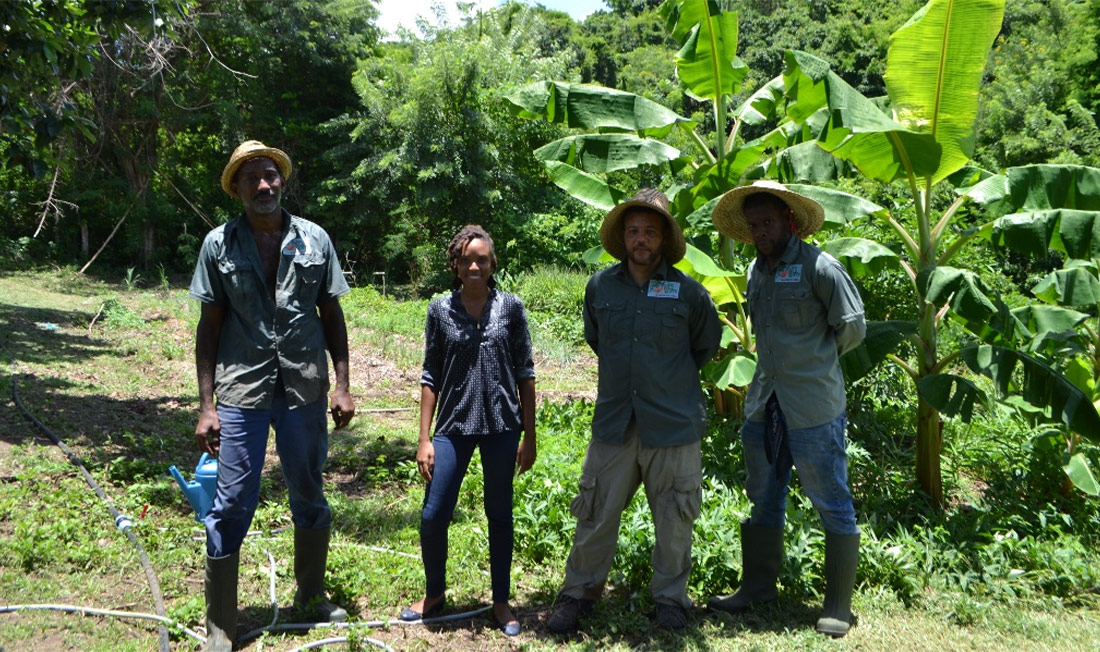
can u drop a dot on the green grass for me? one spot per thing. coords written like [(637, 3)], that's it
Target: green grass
[(1013, 563)]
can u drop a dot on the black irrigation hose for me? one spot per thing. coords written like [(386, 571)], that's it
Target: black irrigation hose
[(122, 522)]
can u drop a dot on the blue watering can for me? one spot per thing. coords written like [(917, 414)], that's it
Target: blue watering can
[(200, 491)]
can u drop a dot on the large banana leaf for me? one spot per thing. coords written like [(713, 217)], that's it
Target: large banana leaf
[(1075, 286), (952, 395), (962, 288), (934, 70), (840, 207), (862, 257), (607, 152), (731, 371), (585, 106), (1074, 232), (588, 188), (1038, 384), (1077, 468), (1040, 187), (858, 131), (804, 77), (808, 163), (707, 62), (760, 106), (882, 339)]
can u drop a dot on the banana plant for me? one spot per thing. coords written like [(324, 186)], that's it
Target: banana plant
[(1057, 208), (623, 131), (922, 135)]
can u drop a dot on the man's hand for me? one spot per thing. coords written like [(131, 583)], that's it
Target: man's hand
[(525, 456), (341, 407), (425, 459), (208, 432)]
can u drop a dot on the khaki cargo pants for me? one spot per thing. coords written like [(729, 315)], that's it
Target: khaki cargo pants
[(610, 477)]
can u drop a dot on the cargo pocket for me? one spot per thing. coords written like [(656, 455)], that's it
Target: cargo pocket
[(686, 496), (583, 506)]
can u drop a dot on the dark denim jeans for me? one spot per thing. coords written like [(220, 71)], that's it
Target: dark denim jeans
[(301, 439), (498, 463), (822, 462)]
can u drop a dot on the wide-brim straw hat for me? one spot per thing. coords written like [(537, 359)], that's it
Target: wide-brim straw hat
[(611, 233), (729, 214), (249, 150)]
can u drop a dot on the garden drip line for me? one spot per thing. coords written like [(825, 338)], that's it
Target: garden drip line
[(341, 639), (88, 611), (122, 522), (372, 624)]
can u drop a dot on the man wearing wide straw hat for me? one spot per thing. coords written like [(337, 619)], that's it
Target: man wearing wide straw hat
[(806, 313), (652, 328), (269, 283)]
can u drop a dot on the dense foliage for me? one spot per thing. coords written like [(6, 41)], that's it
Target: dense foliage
[(120, 115)]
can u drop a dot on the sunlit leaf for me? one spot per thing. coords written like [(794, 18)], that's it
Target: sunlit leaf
[(934, 69)]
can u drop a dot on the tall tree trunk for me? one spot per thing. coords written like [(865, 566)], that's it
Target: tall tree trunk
[(85, 245)]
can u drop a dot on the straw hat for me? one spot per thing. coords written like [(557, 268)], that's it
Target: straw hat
[(729, 214), (249, 150), (611, 233)]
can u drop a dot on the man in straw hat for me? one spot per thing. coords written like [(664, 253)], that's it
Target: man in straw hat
[(806, 313), (652, 328), (269, 284)]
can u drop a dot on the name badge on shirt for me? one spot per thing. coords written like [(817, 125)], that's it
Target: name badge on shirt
[(789, 274), (295, 246), (664, 289)]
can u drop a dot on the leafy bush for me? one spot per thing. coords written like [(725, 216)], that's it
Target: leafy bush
[(554, 298)]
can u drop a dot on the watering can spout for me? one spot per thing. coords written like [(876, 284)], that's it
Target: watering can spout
[(200, 491)]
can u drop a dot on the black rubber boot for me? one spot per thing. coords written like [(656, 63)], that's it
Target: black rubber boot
[(221, 602), (841, 561), (310, 558), (761, 556)]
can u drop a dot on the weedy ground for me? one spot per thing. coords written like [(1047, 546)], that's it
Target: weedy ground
[(109, 369)]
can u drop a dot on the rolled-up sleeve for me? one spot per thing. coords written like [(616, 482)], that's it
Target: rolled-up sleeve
[(523, 360), (206, 283), (434, 344)]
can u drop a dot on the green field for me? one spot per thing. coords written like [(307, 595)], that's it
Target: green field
[(1005, 567)]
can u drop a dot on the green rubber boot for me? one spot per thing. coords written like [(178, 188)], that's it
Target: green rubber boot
[(221, 602), (761, 556), (841, 560), (310, 558)]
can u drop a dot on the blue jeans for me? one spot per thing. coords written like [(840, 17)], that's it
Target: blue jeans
[(301, 439), (498, 464), (822, 464)]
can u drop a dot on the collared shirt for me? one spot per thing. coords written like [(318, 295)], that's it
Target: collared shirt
[(475, 365), (651, 342), (262, 341), (805, 315)]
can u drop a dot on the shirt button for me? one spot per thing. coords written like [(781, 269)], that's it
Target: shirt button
[(635, 339)]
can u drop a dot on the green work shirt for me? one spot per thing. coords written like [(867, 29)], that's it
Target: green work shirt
[(261, 341), (651, 342), (805, 315)]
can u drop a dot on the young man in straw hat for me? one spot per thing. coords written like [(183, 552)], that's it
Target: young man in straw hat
[(806, 313), (269, 284), (652, 328)]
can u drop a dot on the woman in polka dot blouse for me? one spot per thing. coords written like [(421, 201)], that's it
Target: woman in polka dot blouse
[(479, 383)]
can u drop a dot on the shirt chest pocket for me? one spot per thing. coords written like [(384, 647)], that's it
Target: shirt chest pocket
[(797, 309), (240, 280), (308, 271), (672, 325), (613, 316)]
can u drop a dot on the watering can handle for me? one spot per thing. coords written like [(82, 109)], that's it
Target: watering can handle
[(204, 458)]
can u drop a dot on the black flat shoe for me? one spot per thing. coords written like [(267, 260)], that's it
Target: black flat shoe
[(510, 629), (408, 615)]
